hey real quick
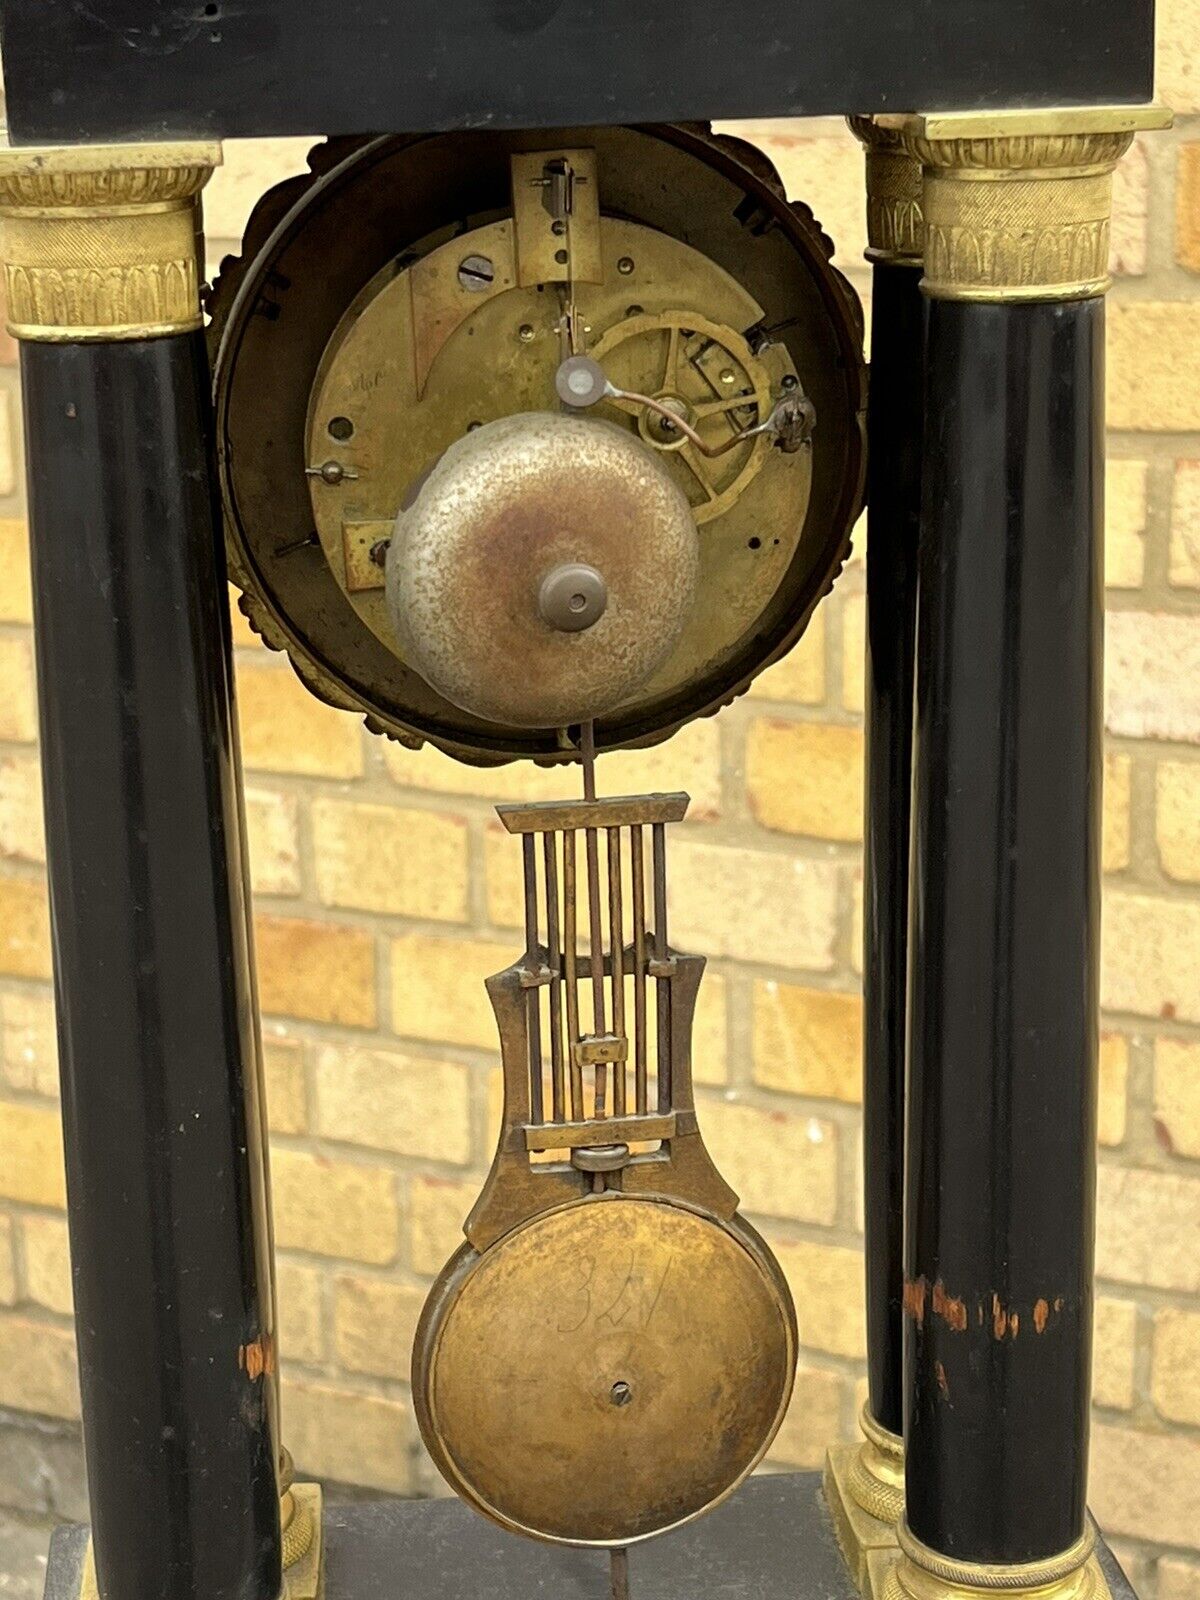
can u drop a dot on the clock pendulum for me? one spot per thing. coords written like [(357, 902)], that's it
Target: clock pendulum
[(612, 1349)]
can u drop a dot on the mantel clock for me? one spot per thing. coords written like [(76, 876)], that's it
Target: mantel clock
[(532, 422)]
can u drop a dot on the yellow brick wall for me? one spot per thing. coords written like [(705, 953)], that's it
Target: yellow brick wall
[(385, 893)]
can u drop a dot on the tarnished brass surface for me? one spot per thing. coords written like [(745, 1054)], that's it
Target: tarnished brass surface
[(1018, 205), (610, 811), (549, 248), (100, 241), (303, 1543), (877, 1477), (708, 372), (612, 1350), (606, 1372), (502, 509), (481, 353), (864, 1488), (895, 221), (349, 304), (920, 1573)]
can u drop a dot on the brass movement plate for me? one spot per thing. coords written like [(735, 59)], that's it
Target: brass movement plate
[(605, 1372), (450, 358), (319, 315)]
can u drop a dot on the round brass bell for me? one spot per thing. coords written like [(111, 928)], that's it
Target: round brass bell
[(545, 569), (606, 1371)]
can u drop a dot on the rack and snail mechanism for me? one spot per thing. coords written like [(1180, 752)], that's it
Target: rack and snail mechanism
[(537, 426)]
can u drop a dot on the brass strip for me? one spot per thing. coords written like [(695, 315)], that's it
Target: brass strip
[(616, 1130), (557, 1086), (1018, 205), (616, 934), (533, 998), (595, 946), (637, 862), (563, 250), (546, 816), (570, 935), (662, 985), (101, 242), (895, 220)]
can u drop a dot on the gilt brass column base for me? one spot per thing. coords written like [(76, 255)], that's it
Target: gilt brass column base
[(919, 1573), (303, 1544), (303, 1552), (864, 1488)]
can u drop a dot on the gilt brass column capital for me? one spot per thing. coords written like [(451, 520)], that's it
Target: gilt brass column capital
[(101, 242), (895, 222), (1018, 204)]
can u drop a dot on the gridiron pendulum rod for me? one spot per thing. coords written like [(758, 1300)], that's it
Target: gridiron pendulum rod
[(533, 994), (618, 1574), (662, 986), (571, 973), (595, 923), (557, 1087), (637, 863), (616, 928)]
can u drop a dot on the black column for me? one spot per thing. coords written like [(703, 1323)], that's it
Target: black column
[(1000, 1190), (894, 434), (152, 965)]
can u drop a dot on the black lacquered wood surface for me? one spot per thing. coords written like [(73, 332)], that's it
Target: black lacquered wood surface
[(1002, 1099), (166, 1188), (894, 516), (125, 69)]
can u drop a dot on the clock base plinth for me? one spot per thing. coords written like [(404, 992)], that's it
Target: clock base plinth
[(772, 1540)]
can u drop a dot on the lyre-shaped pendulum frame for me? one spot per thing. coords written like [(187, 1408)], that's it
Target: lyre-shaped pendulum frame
[(595, 1025), (611, 1350)]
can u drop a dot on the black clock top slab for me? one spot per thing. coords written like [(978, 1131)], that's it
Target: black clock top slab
[(102, 70)]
